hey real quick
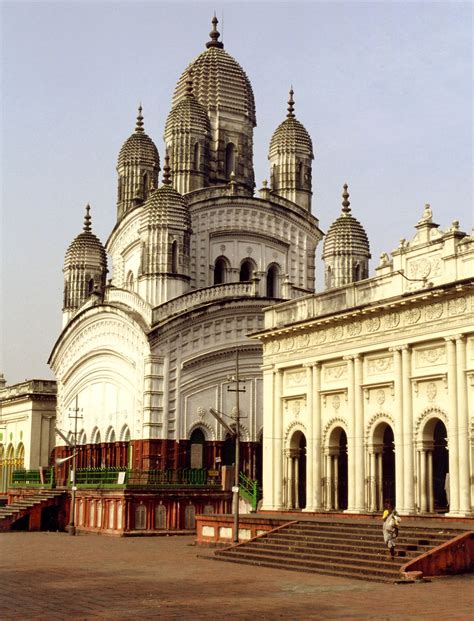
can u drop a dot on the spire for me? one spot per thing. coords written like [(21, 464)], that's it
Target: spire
[(214, 34), (139, 125), (87, 219), (345, 202), (167, 171), (291, 104)]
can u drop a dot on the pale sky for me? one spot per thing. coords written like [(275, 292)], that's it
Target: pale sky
[(383, 88)]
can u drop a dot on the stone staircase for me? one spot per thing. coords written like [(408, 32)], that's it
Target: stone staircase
[(11, 513), (346, 548)]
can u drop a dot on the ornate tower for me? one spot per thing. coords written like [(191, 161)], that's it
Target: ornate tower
[(291, 155), (85, 269), (222, 87), (346, 251), (187, 137), (165, 231), (138, 167)]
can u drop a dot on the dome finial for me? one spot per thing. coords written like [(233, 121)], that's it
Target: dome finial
[(214, 34), (87, 219), (345, 202), (139, 125), (167, 171), (291, 104)]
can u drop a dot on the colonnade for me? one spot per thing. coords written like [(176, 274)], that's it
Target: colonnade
[(414, 491)]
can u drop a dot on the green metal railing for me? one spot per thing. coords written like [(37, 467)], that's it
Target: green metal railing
[(121, 477), (249, 490), (33, 478)]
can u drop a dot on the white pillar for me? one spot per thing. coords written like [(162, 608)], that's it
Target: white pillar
[(453, 428), (310, 443), (380, 481), (328, 483), (336, 481), (373, 481), (408, 467), (268, 442), (398, 431), (296, 468), (351, 463), (429, 465), (423, 482), (317, 435), (463, 428), (359, 437), (278, 440)]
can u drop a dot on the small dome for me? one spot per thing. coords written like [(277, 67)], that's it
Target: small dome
[(139, 147), (346, 236), (291, 136), (188, 115), (165, 206), (86, 250), (219, 82)]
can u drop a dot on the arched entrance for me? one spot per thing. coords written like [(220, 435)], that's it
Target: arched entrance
[(433, 468), (382, 468), (335, 487), (197, 442), (296, 472)]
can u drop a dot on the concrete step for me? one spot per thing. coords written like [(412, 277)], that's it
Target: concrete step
[(340, 549)]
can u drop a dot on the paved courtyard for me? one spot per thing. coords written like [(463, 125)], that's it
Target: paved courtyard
[(54, 576)]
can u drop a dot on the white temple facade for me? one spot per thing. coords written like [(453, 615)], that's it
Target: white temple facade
[(369, 386)]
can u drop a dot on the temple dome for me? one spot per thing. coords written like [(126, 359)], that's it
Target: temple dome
[(219, 82), (291, 136), (139, 147), (188, 115), (86, 249), (346, 235), (165, 206)]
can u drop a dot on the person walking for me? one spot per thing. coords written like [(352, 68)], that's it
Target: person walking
[(391, 521)]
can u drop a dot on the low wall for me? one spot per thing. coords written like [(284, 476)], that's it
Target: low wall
[(218, 530), (453, 557)]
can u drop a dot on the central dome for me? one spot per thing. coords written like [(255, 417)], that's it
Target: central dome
[(219, 82)]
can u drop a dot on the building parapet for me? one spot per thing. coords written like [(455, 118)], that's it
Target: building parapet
[(30, 387), (130, 299)]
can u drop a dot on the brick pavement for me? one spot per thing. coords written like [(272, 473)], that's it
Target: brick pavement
[(53, 576)]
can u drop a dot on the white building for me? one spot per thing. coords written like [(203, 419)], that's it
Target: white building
[(369, 386)]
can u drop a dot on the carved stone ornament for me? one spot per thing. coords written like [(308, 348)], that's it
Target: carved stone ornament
[(372, 324), (420, 269), (434, 311), (391, 320), (354, 329), (335, 372), (274, 347), (432, 356), (380, 396), (317, 338), (431, 391), (380, 365), (295, 378), (336, 402), (302, 341), (336, 333), (201, 412), (412, 316), (457, 307)]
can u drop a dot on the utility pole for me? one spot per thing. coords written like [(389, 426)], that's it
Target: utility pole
[(72, 518), (235, 489)]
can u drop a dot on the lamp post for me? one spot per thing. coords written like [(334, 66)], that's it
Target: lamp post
[(72, 516)]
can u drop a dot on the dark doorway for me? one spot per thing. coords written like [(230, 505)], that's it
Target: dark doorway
[(49, 519), (342, 472), (440, 468), (388, 466)]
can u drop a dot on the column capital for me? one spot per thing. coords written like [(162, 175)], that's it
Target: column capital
[(352, 357), (312, 365), (460, 338), (450, 339), (399, 348)]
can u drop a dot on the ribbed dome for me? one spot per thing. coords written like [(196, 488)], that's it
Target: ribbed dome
[(291, 135), (188, 115), (219, 82), (139, 147), (86, 249), (346, 236), (165, 206)]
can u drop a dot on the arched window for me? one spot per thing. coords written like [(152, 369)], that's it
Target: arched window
[(140, 517), (246, 271), (274, 177), (190, 517), (197, 154), (160, 517), (229, 160), (301, 175), (90, 286), (219, 271), (272, 281), (174, 257), (145, 186), (130, 281), (120, 184), (357, 272)]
